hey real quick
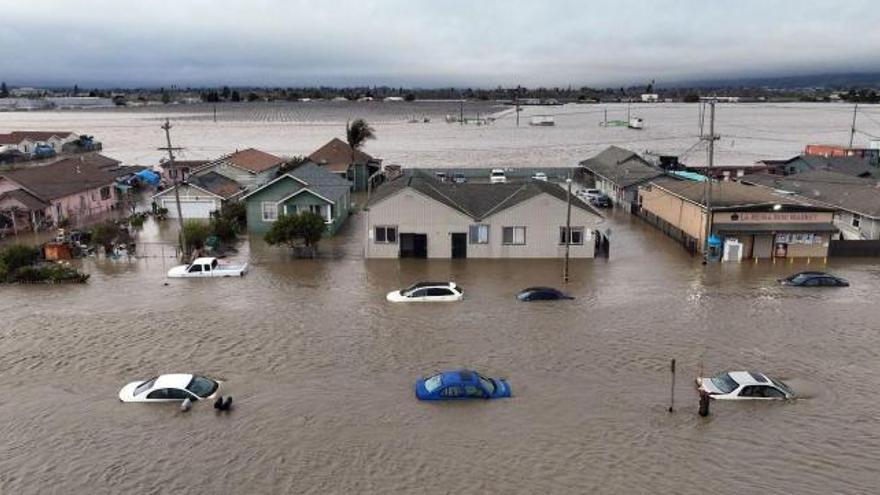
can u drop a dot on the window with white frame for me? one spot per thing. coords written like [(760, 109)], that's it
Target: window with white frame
[(856, 220), (478, 234), (515, 236), (386, 234), (270, 211), (577, 235)]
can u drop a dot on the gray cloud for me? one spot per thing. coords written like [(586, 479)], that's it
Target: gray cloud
[(428, 43)]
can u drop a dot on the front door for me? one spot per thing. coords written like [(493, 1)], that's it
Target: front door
[(459, 244), (413, 245)]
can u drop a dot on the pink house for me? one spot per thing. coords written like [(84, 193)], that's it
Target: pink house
[(71, 189)]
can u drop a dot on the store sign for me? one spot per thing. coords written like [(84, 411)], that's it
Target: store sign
[(778, 217)]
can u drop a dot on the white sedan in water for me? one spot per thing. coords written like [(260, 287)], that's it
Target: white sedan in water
[(170, 388), (427, 292), (743, 385)]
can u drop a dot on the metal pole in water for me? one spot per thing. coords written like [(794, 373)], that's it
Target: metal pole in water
[(672, 390)]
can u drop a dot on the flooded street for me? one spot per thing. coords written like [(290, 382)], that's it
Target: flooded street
[(322, 369)]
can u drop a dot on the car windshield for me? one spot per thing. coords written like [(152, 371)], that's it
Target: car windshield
[(781, 386), (488, 384), (497, 174), (147, 385), (724, 383), (800, 277), (433, 383), (202, 386)]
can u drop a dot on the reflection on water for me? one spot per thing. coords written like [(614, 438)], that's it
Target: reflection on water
[(322, 369)]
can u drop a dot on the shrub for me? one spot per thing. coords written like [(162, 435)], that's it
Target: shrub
[(196, 232), (105, 234), (48, 273), (18, 255), (304, 229)]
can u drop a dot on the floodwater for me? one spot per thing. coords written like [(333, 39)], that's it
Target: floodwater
[(748, 131), (321, 369)]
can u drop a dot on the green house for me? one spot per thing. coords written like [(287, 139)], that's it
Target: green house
[(305, 188)]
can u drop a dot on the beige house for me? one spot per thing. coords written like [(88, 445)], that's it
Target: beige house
[(746, 221), (418, 216)]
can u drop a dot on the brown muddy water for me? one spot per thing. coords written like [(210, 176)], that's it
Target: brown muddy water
[(322, 369)]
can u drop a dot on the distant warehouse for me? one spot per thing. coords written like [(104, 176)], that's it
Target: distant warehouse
[(745, 221)]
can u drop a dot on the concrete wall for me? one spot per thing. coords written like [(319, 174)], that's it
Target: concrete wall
[(412, 212)]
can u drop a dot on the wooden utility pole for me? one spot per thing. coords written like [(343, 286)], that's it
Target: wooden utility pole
[(517, 110), (176, 173), (711, 138), (567, 231), (461, 112), (852, 131)]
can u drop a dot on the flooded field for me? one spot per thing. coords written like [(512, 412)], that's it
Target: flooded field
[(322, 367), (749, 132)]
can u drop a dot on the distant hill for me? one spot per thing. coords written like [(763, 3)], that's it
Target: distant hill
[(829, 81)]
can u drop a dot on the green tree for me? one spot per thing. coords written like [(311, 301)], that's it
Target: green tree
[(196, 233), (236, 96), (17, 256), (4, 93), (294, 231)]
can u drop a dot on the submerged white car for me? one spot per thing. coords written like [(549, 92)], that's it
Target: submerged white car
[(427, 292), (742, 385), (207, 267), (170, 388)]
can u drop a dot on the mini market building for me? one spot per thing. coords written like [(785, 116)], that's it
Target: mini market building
[(746, 221)]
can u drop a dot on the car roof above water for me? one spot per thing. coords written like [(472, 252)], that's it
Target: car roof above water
[(173, 380), (749, 377), (419, 285)]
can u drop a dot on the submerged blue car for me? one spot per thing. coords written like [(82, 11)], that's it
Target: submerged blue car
[(461, 384)]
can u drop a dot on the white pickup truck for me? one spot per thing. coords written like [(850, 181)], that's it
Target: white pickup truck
[(207, 267)]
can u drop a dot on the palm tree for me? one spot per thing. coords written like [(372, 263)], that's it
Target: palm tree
[(357, 133)]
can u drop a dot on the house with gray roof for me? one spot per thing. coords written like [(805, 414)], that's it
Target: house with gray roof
[(854, 166), (307, 187), (857, 200), (417, 215), (618, 172)]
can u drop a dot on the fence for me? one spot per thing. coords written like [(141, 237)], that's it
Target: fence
[(845, 248)]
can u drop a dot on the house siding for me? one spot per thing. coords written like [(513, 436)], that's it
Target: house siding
[(284, 188), (74, 206), (542, 216)]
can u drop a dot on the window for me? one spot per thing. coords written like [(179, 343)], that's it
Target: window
[(478, 234), (813, 282), (453, 391), (773, 393), (105, 193), (473, 391), (202, 386), (724, 383), (386, 235), (195, 268), (577, 235), (270, 211), (317, 210), (513, 235), (752, 391), (143, 387), (431, 384), (856, 220), (176, 393), (437, 291), (419, 293), (161, 393)]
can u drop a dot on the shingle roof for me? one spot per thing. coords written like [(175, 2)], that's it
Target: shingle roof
[(623, 167), (321, 181), (218, 184), (336, 156), (253, 160), (726, 194), (833, 188), (850, 165), (476, 200), (61, 178), (20, 136), (32, 202)]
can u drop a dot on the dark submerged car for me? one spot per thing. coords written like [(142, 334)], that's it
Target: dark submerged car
[(814, 279), (542, 294)]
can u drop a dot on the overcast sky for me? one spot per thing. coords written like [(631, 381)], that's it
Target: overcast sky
[(428, 43)]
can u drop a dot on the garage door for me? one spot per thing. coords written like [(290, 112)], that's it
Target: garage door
[(190, 208)]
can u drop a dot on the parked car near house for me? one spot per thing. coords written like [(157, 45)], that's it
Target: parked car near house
[(459, 178), (541, 294), (170, 388), (207, 267), (427, 292), (601, 201), (461, 384), (588, 194), (814, 279), (743, 385), (497, 176), (539, 176)]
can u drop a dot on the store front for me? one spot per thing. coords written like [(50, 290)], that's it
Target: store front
[(783, 234)]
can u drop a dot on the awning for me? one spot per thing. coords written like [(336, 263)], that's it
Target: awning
[(767, 228)]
